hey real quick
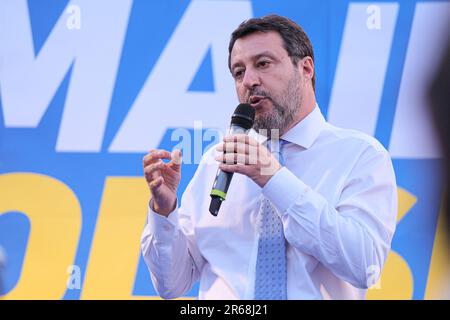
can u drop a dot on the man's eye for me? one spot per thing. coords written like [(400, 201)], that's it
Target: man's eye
[(263, 64), (238, 73)]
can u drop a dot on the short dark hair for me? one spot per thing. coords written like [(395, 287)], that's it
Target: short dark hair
[(296, 42)]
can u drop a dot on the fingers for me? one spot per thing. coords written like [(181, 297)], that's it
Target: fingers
[(237, 147), (239, 143), (241, 138), (176, 161), (155, 155), (155, 184), (153, 165), (148, 170), (153, 171), (237, 158), (236, 168)]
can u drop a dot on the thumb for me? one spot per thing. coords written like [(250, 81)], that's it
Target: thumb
[(176, 161)]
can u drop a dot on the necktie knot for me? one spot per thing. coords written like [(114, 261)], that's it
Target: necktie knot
[(276, 148)]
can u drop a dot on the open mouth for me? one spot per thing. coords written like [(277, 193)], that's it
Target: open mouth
[(256, 101)]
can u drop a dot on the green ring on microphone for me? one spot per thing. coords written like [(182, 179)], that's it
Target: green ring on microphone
[(218, 193)]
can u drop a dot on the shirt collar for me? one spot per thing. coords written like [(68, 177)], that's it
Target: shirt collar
[(306, 131)]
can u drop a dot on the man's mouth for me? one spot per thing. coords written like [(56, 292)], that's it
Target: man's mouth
[(256, 101)]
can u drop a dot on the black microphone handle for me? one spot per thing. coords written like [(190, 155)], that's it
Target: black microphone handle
[(219, 191), (222, 180)]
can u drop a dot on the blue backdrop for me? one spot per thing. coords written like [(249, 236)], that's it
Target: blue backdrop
[(88, 87)]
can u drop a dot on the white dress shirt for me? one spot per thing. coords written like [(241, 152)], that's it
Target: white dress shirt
[(336, 196)]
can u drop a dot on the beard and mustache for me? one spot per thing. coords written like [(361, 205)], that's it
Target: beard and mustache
[(285, 107)]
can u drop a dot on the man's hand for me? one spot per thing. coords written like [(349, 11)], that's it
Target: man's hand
[(243, 154), (163, 179)]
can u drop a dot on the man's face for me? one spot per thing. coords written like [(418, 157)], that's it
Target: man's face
[(266, 78)]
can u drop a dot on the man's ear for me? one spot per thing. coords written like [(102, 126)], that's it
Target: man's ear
[(306, 66)]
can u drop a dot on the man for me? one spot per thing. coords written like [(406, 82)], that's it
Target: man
[(331, 197)]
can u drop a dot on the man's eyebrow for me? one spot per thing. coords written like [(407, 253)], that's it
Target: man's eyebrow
[(266, 53), (236, 64)]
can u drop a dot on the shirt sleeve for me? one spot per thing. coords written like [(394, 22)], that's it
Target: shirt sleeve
[(169, 250), (351, 238)]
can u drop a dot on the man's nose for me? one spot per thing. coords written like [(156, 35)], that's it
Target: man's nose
[(251, 79)]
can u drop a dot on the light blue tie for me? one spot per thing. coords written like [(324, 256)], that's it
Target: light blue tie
[(270, 279)]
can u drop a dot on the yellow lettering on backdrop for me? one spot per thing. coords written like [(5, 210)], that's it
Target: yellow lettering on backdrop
[(396, 280), (55, 222), (115, 252), (55, 217)]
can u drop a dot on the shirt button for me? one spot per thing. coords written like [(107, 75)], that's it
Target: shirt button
[(167, 228)]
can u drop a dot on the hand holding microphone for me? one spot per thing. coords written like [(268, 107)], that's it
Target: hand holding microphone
[(245, 155), (241, 122)]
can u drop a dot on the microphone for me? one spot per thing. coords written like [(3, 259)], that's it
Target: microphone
[(241, 122)]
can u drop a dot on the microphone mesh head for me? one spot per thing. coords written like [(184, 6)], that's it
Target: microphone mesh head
[(243, 116)]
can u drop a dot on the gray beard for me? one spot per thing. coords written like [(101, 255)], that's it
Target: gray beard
[(283, 113)]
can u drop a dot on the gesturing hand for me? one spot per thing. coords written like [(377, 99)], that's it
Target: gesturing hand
[(163, 179)]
